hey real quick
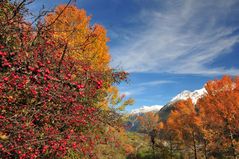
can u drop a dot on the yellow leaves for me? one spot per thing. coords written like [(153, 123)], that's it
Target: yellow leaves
[(3, 136), (114, 100), (10, 97), (85, 43), (103, 105), (129, 101), (113, 95)]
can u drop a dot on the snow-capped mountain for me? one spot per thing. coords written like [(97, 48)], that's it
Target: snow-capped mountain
[(195, 95), (145, 109), (184, 95), (165, 110)]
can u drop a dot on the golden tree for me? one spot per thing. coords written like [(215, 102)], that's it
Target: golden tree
[(186, 123), (84, 42), (219, 111)]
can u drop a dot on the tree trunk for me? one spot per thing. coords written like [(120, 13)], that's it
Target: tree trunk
[(205, 148), (171, 148), (194, 146), (152, 136), (233, 146)]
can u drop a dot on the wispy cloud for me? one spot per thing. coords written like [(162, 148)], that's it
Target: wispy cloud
[(140, 88), (183, 38), (155, 83), (133, 92)]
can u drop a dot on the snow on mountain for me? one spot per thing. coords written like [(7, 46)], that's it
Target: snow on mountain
[(165, 110), (195, 95), (145, 109)]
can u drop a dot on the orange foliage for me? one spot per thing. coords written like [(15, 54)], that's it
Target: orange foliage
[(186, 123), (219, 111), (211, 126), (184, 119), (84, 42), (149, 121), (129, 149)]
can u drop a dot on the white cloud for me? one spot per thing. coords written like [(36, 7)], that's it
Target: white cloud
[(145, 109), (184, 38), (141, 87), (155, 83), (133, 92)]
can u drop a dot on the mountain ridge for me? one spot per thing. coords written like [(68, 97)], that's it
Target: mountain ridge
[(194, 95), (184, 95)]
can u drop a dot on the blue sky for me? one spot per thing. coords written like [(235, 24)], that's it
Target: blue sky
[(167, 45)]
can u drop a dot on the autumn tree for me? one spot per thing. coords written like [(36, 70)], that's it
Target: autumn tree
[(148, 122), (48, 99), (87, 43), (84, 41), (219, 113), (113, 104), (169, 140), (184, 120)]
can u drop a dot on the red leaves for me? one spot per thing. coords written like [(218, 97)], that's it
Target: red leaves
[(3, 53), (48, 105), (5, 62), (31, 68), (5, 79)]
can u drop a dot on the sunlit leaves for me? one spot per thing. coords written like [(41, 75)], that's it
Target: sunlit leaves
[(219, 111), (85, 42)]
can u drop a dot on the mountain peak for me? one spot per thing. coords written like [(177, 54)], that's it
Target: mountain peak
[(184, 95)]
